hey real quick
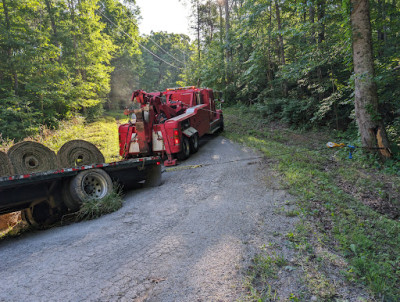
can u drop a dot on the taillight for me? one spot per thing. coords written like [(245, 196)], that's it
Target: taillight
[(158, 163), (177, 141)]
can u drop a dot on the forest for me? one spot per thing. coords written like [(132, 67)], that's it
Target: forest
[(290, 61), (62, 58)]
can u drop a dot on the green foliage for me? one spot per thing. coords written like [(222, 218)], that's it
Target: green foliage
[(94, 208), (57, 58), (369, 239), (312, 84), (163, 69)]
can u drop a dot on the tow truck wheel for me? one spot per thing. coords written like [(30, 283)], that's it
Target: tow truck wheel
[(194, 143), (185, 152), (89, 184), (221, 125)]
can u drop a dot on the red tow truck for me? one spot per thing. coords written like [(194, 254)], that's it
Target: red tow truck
[(169, 123)]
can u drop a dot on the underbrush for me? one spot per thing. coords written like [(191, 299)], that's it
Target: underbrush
[(94, 208), (353, 209)]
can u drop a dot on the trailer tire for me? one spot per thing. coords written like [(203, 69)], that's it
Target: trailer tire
[(185, 152), (89, 184), (69, 202), (194, 143), (153, 176)]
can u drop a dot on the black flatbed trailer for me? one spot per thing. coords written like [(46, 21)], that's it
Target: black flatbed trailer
[(47, 195)]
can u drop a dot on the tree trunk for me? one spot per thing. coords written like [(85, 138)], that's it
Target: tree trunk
[(269, 70), (372, 130), (311, 11), (321, 37), (381, 29), (221, 40), (50, 11), (321, 24), (198, 29), (281, 46), (227, 28), (14, 75)]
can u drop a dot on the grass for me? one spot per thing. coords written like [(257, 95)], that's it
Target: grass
[(93, 208), (341, 200), (264, 268)]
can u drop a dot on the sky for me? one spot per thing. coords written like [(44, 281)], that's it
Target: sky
[(171, 16)]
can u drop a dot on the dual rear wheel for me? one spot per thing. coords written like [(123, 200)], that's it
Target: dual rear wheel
[(189, 146)]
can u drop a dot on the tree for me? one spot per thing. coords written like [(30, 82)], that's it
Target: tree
[(369, 122)]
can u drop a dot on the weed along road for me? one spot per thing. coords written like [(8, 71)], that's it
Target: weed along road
[(191, 239)]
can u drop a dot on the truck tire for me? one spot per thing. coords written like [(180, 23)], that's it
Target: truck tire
[(194, 143), (88, 184), (185, 152), (153, 176), (221, 125)]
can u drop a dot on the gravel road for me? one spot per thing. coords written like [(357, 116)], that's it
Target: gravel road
[(190, 239)]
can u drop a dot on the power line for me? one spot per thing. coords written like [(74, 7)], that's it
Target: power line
[(179, 68), (165, 51)]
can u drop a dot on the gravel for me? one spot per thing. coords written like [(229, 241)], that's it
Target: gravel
[(190, 239)]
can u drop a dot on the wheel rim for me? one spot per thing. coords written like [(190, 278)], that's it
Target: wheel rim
[(94, 186)]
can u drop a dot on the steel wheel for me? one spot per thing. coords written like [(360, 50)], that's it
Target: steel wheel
[(94, 186)]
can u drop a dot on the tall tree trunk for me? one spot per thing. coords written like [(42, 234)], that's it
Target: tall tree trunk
[(281, 46), (227, 29), (71, 6), (381, 28), (227, 42), (221, 40), (321, 37), (198, 29), (50, 11), (311, 11), (269, 70), (369, 122), (321, 23), (14, 75)]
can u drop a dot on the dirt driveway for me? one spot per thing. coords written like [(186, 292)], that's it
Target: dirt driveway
[(190, 239)]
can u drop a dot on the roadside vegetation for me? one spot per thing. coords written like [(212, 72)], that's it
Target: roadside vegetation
[(349, 210), (93, 208)]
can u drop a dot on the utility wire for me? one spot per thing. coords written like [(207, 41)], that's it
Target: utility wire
[(179, 68), (165, 51)]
